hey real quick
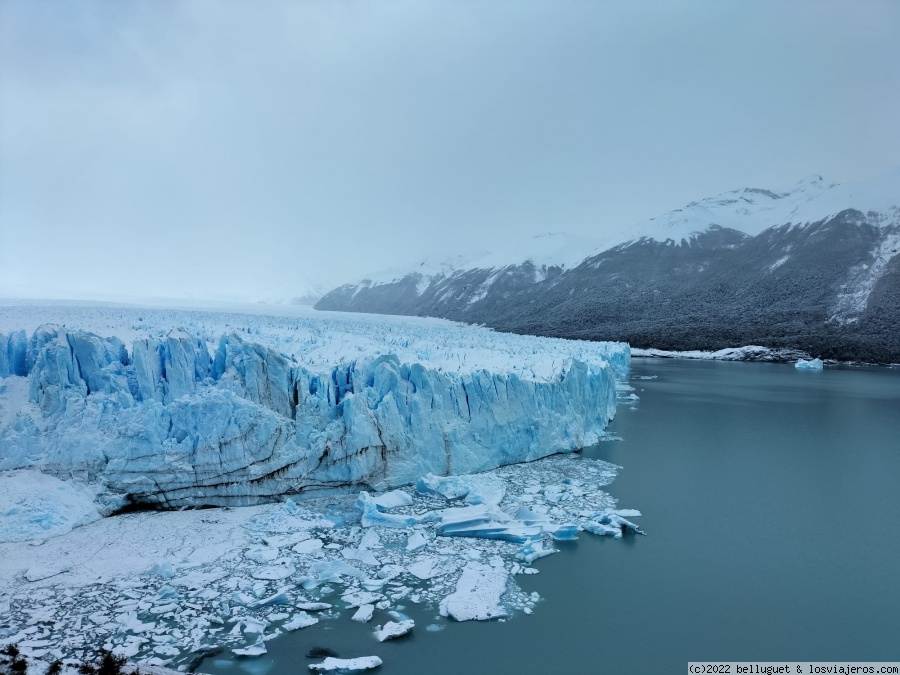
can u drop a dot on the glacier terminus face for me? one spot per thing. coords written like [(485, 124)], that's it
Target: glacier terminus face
[(175, 408)]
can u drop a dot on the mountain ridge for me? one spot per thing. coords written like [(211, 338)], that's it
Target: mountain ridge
[(814, 268)]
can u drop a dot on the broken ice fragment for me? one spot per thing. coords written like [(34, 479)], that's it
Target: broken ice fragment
[(300, 620), (371, 515), (364, 613), (394, 629), (532, 550), (307, 546), (416, 542), (477, 595), (392, 500), (356, 665), (258, 648)]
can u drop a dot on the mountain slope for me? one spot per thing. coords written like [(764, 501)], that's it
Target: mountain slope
[(814, 268)]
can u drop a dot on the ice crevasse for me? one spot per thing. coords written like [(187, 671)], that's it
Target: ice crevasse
[(175, 421)]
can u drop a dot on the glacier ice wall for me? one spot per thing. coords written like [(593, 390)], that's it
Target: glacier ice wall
[(176, 421)]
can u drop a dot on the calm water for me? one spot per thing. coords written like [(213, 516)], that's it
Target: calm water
[(772, 502)]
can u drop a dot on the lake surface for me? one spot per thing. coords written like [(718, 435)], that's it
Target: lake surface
[(771, 499)]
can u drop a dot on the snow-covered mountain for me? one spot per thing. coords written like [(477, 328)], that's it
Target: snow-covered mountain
[(727, 261)]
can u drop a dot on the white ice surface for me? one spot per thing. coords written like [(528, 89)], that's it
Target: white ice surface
[(394, 629), (185, 576), (360, 663), (34, 505)]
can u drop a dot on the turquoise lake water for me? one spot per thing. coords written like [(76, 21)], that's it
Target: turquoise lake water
[(771, 499)]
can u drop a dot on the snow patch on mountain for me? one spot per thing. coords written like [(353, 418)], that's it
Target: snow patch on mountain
[(854, 294), (747, 210)]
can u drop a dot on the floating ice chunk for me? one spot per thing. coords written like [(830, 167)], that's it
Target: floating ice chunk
[(416, 542), (248, 624), (563, 532), (373, 516), (476, 489), (360, 598), (329, 570), (364, 556), (610, 524), (370, 540), (314, 606), (627, 513), (276, 572), (394, 629), (477, 595), (258, 648), (35, 505), (167, 592), (240, 598), (360, 663), (428, 567), (287, 519), (485, 522), (812, 364), (307, 546), (389, 572), (162, 570), (364, 613), (300, 620), (261, 554), (532, 550), (362, 553), (279, 598), (392, 500)]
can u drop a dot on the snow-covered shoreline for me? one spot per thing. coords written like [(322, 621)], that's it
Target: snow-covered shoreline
[(745, 353)]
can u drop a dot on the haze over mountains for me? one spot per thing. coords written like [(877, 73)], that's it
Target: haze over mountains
[(814, 267)]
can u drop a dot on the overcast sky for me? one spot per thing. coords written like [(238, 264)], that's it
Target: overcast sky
[(237, 148)]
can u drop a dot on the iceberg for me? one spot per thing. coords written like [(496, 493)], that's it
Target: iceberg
[(360, 663), (394, 629), (181, 420), (477, 595), (811, 364)]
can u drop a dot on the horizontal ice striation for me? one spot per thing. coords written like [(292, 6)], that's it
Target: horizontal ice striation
[(174, 422)]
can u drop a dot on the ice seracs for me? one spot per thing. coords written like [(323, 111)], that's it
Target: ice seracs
[(184, 419)]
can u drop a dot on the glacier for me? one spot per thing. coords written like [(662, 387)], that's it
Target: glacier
[(380, 461), (285, 405)]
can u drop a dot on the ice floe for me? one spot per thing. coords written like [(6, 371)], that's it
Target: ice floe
[(171, 586), (335, 665)]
